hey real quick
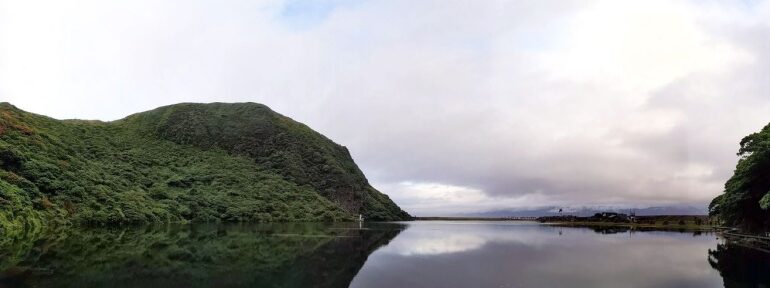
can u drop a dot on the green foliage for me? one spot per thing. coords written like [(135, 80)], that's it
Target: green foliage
[(181, 163), (745, 200), (764, 203), (277, 143)]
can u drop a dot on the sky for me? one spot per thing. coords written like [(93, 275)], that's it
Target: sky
[(448, 106)]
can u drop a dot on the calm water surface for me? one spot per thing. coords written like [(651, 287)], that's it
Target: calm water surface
[(413, 254)]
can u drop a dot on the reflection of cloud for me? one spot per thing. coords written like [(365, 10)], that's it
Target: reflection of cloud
[(441, 245), (530, 255), (435, 238)]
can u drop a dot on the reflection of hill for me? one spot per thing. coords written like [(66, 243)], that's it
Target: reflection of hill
[(336, 263), (265, 255), (741, 266)]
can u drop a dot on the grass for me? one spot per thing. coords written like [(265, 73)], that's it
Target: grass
[(665, 222)]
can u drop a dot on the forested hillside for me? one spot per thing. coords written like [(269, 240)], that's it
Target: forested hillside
[(179, 163)]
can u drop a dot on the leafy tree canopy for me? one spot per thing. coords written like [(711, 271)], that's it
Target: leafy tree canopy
[(746, 200)]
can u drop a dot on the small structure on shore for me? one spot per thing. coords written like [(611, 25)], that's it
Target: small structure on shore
[(611, 216)]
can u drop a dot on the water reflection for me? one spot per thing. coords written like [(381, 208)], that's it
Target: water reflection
[(504, 254), (741, 266), (415, 254), (266, 255)]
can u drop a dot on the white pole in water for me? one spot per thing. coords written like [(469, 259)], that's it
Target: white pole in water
[(360, 221)]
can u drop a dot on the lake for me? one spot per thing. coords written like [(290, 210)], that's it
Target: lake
[(408, 254)]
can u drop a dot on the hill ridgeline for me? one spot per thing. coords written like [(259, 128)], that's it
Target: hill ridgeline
[(178, 163)]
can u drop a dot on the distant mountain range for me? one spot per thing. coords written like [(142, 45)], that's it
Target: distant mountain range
[(588, 211)]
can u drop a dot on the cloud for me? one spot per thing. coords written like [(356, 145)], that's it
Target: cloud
[(448, 200), (446, 105)]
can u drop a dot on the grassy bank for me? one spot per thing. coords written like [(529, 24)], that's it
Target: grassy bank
[(661, 222)]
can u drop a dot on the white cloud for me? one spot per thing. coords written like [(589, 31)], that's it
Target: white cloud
[(432, 199), (446, 105), (636, 47)]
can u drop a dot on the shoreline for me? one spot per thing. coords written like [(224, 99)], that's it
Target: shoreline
[(474, 218), (658, 222), (634, 225)]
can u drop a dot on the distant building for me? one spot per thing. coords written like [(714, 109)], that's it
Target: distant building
[(613, 216)]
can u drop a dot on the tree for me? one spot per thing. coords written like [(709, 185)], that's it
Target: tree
[(746, 199)]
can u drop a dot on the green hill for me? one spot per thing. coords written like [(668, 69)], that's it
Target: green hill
[(179, 163)]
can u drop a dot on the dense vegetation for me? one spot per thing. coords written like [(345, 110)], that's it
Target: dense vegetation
[(179, 163), (746, 198)]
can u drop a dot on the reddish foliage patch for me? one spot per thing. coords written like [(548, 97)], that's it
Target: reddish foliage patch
[(10, 120), (64, 164), (70, 207), (46, 203), (11, 177), (24, 129)]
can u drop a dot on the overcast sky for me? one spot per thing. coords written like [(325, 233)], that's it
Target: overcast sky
[(447, 106)]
